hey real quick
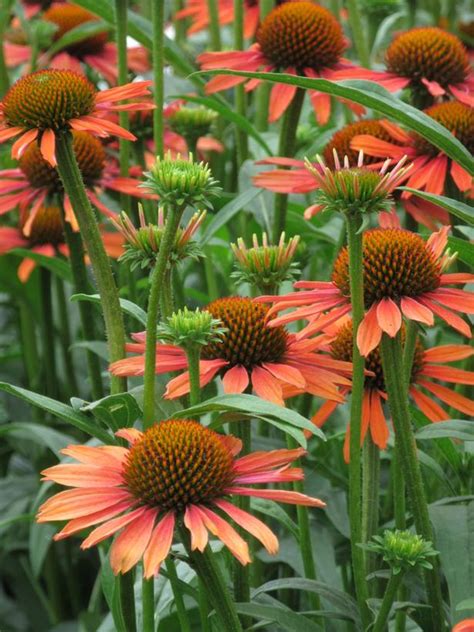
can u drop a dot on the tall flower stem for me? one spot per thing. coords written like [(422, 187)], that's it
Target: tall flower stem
[(193, 354), (263, 91), (158, 25), (392, 359), (29, 344), (355, 249), (124, 145), (214, 27), (66, 340), (48, 334), (240, 95), (358, 33), (210, 574), (158, 280), (388, 599), (74, 187), (286, 147), (148, 605), (306, 545), (86, 315), (399, 510), (4, 21), (127, 600), (178, 597), (370, 495)]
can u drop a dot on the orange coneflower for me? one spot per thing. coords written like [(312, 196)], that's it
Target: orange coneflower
[(94, 51), (431, 167), (47, 102), (299, 38), (403, 277), (250, 355), (433, 63), (35, 181), (428, 365), (198, 12), (176, 471), (45, 236)]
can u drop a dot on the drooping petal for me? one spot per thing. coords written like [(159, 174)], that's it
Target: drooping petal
[(251, 524), (83, 475), (450, 397), (48, 147), (106, 456), (279, 495), (369, 333), (428, 406), (448, 374), (413, 310), (280, 98), (78, 524), (23, 142), (75, 503), (453, 320), (285, 373), (225, 532), (448, 353), (236, 379), (389, 317), (129, 434), (128, 548), (196, 527), (378, 425), (264, 461), (159, 545), (266, 386)]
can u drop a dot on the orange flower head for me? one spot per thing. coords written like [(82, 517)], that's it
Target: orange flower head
[(68, 17), (249, 341), (47, 227), (176, 463), (48, 99), (430, 53), (300, 35), (341, 349), (397, 264), (455, 116), (341, 142), (90, 156)]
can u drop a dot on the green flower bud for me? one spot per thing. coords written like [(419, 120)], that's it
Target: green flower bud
[(402, 550), (186, 329), (192, 123)]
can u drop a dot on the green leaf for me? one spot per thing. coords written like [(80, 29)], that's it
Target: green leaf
[(128, 307), (115, 411), (60, 410), (464, 249), (371, 95), (454, 537), (42, 435), (77, 34), (435, 468), (227, 212), (226, 112), (343, 603), (453, 428), (466, 604), (459, 209), (250, 406), (285, 618), (56, 265)]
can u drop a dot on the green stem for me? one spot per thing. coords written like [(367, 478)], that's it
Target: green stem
[(4, 77), (263, 91), (193, 354), (29, 345), (240, 95), (158, 25), (389, 596), (392, 360), (214, 26), (409, 350), (370, 495), (148, 605), (66, 341), (167, 302), (399, 510), (210, 574), (286, 147), (411, 4), (158, 279), (354, 241), (47, 328), (178, 597), (86, 313), (204, 608), (306, 545), (358, 34), (75, 190), (179, 25), (127, 600)]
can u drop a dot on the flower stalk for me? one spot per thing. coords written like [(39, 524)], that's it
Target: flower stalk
[(74, 188), (286, 147), (355, 249), (387, 602), (157, 52), (392, 359)]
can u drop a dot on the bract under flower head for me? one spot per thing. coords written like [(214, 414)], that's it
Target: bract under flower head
[(186, 328), (402, 550), (182, 182)]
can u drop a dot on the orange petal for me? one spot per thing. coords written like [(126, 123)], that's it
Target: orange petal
[(251, 524), (378, 425), (225, 532), (389, 317), (159, 545), (285, 373), (415, 311), (75, 503), (236, 379), (450, 397), (369, 333), (78, 524), (105, 456), (129, 434), (128, 548), (428, 406), (264, 461), (48, 147), (22, 143), (448, 353), (266, 386), (196, 527), (279, 495), (83, 475)]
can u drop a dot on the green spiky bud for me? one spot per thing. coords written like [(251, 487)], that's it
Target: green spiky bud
[(402, 550), (192, 123), (186, 328), (181, 182)]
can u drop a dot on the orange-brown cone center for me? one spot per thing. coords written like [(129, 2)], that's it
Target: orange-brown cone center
[(456, 117), (249, 341), (176, 463), (430, 53), (46, 228), (397, 263), (67, 17), (301, 34), (48, 99)]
